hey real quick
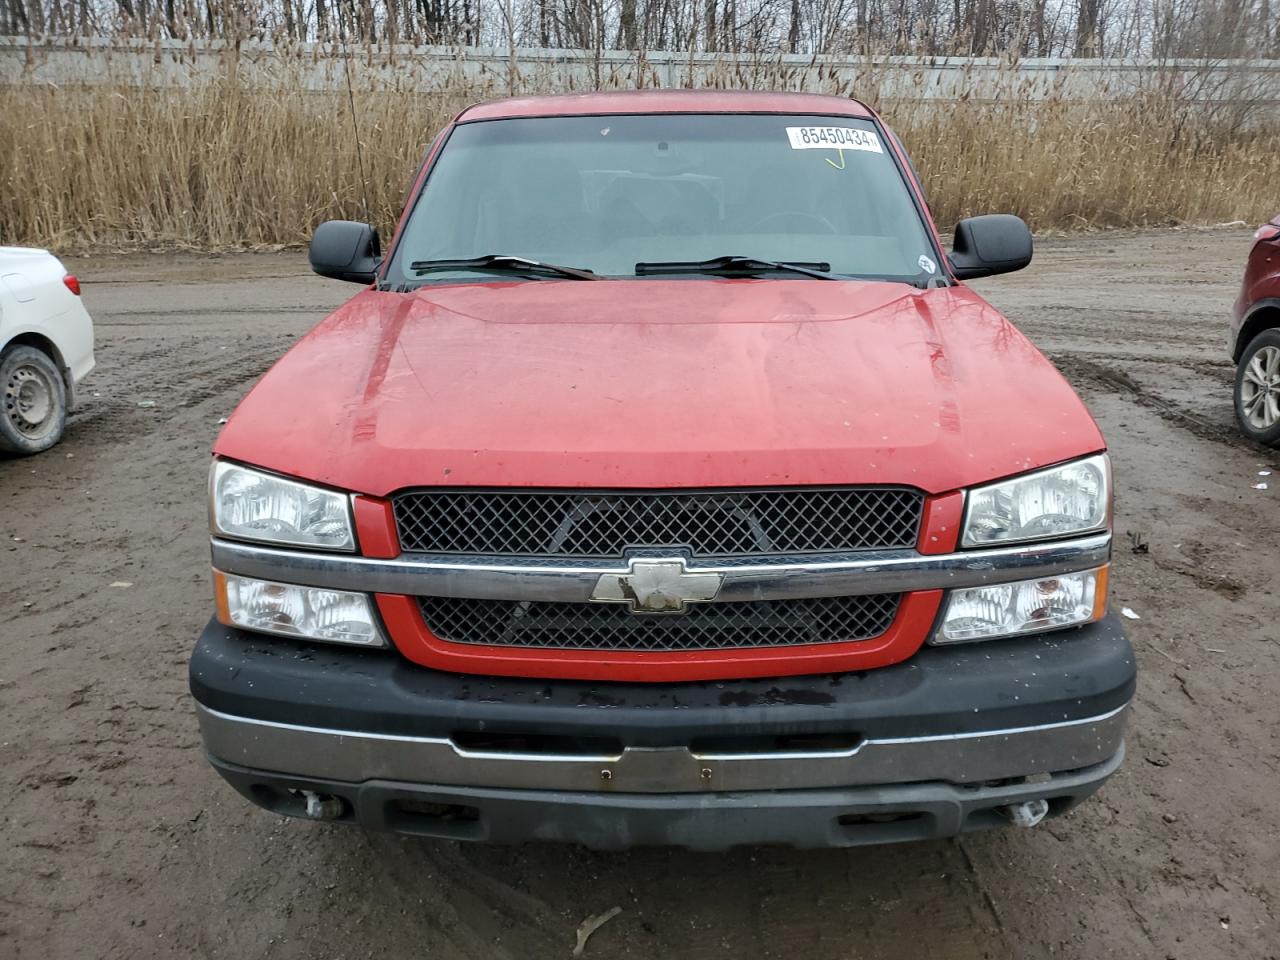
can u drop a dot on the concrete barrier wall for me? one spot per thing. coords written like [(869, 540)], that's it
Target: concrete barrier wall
[(323, 67)]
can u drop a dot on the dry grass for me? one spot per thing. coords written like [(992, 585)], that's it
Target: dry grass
[(224, 165), (214, 166), (1124, 163)]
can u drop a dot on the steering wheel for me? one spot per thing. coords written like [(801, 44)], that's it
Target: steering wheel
[(795, 217)]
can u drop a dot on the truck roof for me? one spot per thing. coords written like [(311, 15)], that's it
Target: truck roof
[(664, 101)]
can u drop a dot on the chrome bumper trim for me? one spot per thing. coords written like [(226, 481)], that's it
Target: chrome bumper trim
[(957, 758), (790, 578)]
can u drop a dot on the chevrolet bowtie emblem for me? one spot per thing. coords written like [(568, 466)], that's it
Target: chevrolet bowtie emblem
[(657, 586)]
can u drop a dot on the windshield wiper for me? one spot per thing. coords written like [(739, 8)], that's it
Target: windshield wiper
[(736, 265), (502, 263)]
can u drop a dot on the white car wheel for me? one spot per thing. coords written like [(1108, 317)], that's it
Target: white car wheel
[(34, 399)]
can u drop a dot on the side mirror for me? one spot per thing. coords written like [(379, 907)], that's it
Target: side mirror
[(984, 246), (345, 250)]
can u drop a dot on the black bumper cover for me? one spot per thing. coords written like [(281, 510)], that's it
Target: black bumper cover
[(997, 685)]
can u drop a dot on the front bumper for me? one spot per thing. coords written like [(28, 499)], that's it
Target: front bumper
[(848, 817), (930, 747)]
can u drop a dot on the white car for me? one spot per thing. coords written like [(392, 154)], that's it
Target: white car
[(46, 348)]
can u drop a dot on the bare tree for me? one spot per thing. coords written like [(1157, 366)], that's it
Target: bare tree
[(1087, 40), (1216, 29)]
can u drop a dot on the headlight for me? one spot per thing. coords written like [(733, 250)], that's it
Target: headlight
[(1072, 498), (1029, 606), (252, 505), (309, 613)]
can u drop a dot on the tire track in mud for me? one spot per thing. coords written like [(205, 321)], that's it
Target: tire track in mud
[(138, 392), (147, 318), (1083, 371), (1111, 326)]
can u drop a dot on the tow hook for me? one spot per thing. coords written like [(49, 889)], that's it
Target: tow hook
[(323, 806), (1025, 814)]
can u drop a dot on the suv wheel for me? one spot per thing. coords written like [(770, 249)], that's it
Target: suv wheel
[(33, 402)]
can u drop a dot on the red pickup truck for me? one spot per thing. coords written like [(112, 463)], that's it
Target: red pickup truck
[(665, 485)]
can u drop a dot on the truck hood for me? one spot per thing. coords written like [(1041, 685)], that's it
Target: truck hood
[(661, 383)]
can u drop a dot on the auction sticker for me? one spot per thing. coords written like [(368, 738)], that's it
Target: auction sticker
[(833, 138)]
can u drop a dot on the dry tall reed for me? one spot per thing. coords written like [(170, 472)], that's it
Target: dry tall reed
[(224, 164)]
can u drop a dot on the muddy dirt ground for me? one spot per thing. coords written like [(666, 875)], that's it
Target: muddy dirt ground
[(119, 841)]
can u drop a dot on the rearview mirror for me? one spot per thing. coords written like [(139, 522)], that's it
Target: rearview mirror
[(345, 250), (984, 246)]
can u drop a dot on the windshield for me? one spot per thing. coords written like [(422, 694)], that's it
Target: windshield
[(605, 193)]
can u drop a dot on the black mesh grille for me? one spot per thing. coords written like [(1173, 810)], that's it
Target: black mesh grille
[(708, 524), (612, 626)]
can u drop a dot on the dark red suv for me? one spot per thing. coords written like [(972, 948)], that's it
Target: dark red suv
[(1255, 339)]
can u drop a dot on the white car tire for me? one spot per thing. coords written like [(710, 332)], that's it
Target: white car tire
[(33, 401)]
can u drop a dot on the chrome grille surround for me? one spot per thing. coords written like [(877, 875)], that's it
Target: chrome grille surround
[(573, 581), (702, 523)]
